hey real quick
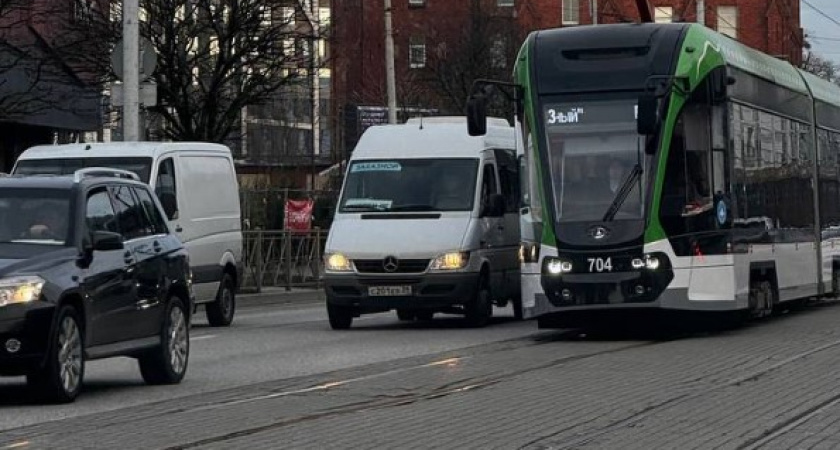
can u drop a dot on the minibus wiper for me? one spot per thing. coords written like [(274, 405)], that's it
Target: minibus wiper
[(365, 207), (412, 208), (623, 193)]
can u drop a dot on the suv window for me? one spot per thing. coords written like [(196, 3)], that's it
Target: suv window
[(100, 212), (151, 211), (165, 187), (130, 217)]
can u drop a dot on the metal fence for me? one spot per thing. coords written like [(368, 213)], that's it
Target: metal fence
[(283, 259), (262, 209)]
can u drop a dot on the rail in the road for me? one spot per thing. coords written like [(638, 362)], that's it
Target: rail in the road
[(745, 387)]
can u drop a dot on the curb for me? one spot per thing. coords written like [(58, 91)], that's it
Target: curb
[(280, 296)]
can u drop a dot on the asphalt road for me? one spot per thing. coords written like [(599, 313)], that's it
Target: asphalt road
[(272, 339)]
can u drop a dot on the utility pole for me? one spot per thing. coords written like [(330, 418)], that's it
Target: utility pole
[(389, 65), (701, 12), (131, 70), (315, 79)]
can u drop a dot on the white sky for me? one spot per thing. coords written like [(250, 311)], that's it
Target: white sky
[(824, 34)]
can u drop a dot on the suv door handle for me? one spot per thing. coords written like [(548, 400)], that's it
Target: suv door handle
[(128, 258), (178, 228), (156, 246)]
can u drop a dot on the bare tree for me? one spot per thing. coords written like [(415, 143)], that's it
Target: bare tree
[(52, 54), (821, 67), (486, 48), (217, 56)]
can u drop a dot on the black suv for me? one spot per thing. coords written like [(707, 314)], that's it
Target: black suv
[(89, 269)]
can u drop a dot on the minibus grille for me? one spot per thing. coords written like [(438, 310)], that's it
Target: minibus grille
[(391, 265)]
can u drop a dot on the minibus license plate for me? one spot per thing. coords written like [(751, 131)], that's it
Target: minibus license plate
[(389, 291)]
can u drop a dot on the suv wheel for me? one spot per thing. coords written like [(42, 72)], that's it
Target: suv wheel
[(167, 364), (61, 378), (220, 312)]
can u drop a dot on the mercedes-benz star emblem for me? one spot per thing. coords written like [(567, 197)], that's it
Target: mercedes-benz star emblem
[(599, 232), (390, 264)]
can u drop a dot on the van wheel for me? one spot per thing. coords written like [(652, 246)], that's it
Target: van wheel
[(479, 311), (341, 317), (405, 315), (167, 364), (425, 316), (60, 380), (220, 312), (835, 282), (518, 313)]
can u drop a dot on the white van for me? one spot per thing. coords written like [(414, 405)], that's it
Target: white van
[(196, 184), (427, 222)]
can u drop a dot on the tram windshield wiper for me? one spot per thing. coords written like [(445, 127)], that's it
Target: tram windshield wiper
[(623, 193)]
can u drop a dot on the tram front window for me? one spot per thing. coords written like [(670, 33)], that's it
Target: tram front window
[(594, 150)]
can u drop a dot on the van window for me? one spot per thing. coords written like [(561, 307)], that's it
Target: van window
[(446, 184), (67, 166), (165, 187)]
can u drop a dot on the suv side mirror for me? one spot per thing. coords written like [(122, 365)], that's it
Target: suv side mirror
[(477, 115), (104, 241), (647, 115), (494, 206)]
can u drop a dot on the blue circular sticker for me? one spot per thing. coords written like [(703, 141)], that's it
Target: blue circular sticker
[(722, 213)]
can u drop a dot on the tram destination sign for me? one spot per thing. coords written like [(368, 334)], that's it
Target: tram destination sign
[(590, 113)]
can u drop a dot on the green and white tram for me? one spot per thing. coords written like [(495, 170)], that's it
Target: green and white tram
[(670, 167)]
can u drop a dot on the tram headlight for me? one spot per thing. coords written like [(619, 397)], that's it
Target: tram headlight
[(637, 263), (558, 266), (652, 262)]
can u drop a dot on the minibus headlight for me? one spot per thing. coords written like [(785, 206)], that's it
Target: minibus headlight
[(336, 262), (451, 261), (20, 290)]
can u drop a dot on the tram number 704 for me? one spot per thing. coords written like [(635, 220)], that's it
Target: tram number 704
[(600, 264)]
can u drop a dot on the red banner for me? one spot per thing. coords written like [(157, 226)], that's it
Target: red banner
[(298, 215)]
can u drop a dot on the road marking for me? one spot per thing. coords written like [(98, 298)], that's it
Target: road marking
[(202, 337), (20, 444), (449, 362)]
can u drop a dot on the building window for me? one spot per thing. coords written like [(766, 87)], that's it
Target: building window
[(503, 3), (417, 52), (727, 20), (664, 14), (416, 3), (571, 12)]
